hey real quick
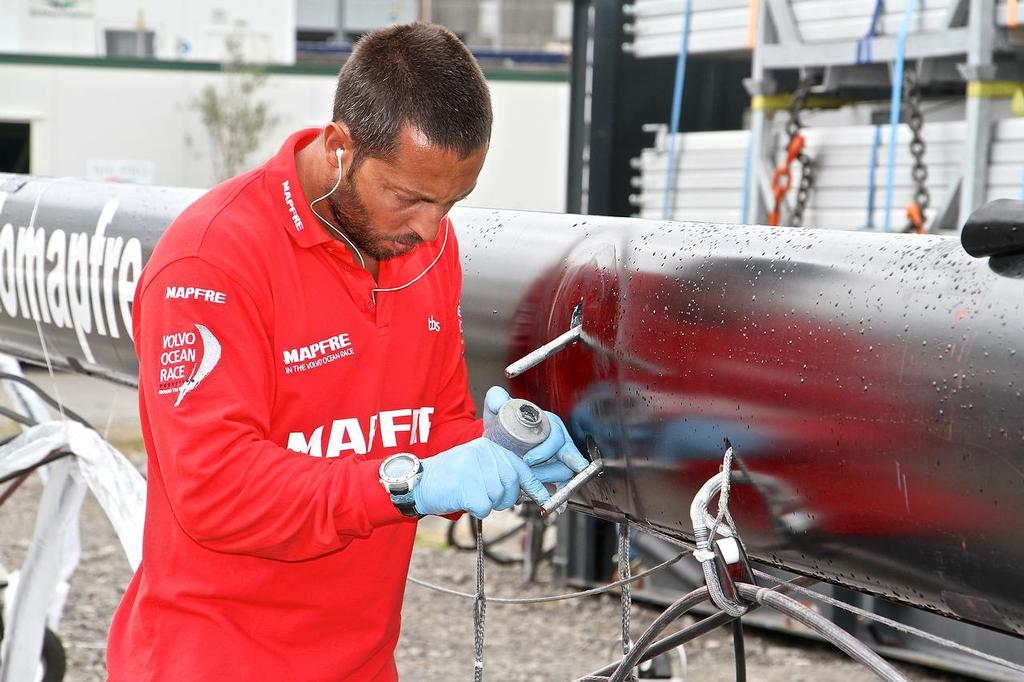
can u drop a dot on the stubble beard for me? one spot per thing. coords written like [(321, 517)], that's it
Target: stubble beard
[(352, 218)]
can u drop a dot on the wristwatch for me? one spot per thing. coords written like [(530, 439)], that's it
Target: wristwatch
[(399, 474)]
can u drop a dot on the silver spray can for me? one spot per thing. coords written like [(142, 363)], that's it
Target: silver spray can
[(519, 426)]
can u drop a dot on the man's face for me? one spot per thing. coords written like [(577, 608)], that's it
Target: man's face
[(388, 207)]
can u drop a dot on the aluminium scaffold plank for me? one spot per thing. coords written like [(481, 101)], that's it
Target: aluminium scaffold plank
[(709, 173), (723, 27)]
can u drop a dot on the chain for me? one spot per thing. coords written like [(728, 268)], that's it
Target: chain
[(782, 178), (919, 171), (803, 192)]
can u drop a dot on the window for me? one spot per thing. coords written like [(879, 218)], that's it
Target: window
[(129, 43), (14, 147)]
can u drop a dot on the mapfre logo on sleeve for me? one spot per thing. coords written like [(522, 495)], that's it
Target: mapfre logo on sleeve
[(186, 359), (196, 294)]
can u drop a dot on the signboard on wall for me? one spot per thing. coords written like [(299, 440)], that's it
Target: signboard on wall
[(133, 171), (61, 8), (362, 16)]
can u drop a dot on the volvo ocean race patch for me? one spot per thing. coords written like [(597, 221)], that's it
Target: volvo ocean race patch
[(186, 358)]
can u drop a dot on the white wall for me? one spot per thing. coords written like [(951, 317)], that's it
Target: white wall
[(85, 113), (267, 29), (527, 165)]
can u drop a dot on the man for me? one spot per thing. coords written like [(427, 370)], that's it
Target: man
[(296, 327)]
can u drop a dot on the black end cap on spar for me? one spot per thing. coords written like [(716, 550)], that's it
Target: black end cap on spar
[(995, 229)]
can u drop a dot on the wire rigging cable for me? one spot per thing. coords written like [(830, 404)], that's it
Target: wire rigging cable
[(868, 615), (554, 597), (479, 606), (896, 625), (47, 398), (626, 595)]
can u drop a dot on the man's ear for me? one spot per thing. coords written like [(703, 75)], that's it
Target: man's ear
[(336, 136)]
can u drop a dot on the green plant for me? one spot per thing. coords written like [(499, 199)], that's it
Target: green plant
[(234, 116)]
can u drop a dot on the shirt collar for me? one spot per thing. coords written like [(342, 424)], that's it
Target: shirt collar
[(289, 202), (295, 215)]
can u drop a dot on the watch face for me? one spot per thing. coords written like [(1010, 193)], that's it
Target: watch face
[(399, 468)]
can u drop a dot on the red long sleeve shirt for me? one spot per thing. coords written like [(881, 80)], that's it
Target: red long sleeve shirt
[(270, 387)]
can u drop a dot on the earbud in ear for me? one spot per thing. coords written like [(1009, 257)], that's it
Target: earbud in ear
[(339, 151)]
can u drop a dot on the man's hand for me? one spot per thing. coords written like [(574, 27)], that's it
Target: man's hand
[(478, 477), (555, 460)]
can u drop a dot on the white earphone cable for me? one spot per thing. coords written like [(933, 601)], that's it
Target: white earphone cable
[(447, 228), (338, 232), (375, 291)]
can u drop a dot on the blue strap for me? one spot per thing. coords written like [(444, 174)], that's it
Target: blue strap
[(895, 104), (745, 206), (864, 44), (677, 105), (876, 142)]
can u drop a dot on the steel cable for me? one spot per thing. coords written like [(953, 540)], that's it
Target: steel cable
[(843, 640), (691, 632), (47, 398), (895, 625), (832, 633), (739, 652), (868, 615), (626, 595), (479, 605), (678, 608), (554, 597)]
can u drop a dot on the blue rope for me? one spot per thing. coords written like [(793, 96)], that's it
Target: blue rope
[(864, 44), (895, 105), (677, 105), (746, 179), (876, 142)]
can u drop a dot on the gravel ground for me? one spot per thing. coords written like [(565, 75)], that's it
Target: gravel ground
[(555, 641)]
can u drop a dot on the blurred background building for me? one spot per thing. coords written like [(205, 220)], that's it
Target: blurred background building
[(142, 91)]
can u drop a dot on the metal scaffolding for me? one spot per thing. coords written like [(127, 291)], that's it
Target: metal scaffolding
[(851, 50)]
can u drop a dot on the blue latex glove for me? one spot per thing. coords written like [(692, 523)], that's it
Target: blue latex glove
[(478, 477), (555, 460)]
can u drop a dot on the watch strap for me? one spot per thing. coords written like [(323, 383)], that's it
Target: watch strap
[(406, 504)]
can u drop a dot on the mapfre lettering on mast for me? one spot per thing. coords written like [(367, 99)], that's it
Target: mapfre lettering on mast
[(79, 280)]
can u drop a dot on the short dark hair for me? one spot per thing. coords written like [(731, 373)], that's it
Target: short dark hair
[(419, 74)]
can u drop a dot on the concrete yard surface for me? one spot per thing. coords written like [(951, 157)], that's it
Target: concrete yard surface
[(524, 643)]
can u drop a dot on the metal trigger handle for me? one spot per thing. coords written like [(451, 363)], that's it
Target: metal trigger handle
[(535, 357)]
